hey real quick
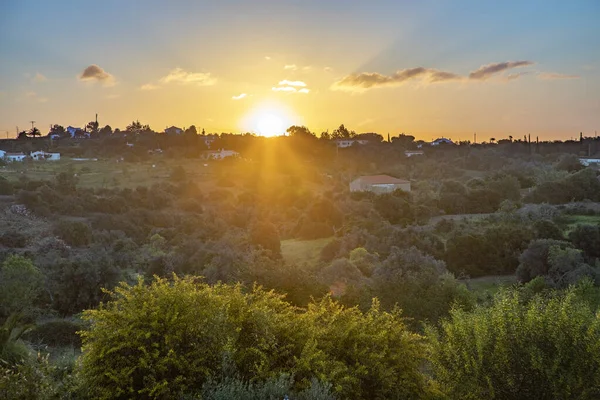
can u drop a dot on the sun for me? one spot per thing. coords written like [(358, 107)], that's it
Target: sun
[(269, 119), (270, 125)]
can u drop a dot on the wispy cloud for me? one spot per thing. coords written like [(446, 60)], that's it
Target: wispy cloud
[(555, 75), (328, 69), (359, 82), (291, 67), (304, 90), (178, 75), (39, 78), (33, 96), (487, 71), (292, 83), (267, 58), (368, 80), (96, 73), (239, 96), (284, 89), (149, 86)]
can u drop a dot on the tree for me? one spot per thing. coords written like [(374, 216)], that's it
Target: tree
[(20, 285), (191, 131), (107, 130), (265, 235), (57, 130), (545, 348), (33, 132), (92, 126), (299, 131), (341, 133), (22, 135)]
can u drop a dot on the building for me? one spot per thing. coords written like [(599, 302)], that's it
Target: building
[(14, 156), (173, 130), (439, 141), (42, 155), (379, 184), (589, 161), (411, 153), (221, 154), (209, 139), (341, 143)]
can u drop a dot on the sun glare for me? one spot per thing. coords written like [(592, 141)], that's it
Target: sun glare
[(269, 120)]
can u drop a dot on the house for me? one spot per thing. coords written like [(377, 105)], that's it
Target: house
[(42, 155), (77, 133), (589, 161), (221, 154), (173, 130), (341, 143), (14, 156), (379, 184), (442, 140), (411, 153)]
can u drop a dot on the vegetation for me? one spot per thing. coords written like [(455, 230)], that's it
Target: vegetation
[(263, 276)]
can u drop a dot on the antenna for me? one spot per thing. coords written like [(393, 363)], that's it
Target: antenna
[(32, 122)]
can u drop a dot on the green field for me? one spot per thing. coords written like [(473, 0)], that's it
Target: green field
[(108, 173), (296, 251), (571, 221), (489, 285)]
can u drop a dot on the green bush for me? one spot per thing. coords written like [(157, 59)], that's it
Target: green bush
[(60, 332), (172, 337), (546, 348)]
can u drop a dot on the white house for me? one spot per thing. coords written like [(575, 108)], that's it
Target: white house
[(221, 154), (341, 143), (442, 140), (173, 130), (42, 155), (589, 161), (379, 184), (14, 156)]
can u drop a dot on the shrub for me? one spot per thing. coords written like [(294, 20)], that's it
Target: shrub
[(75, 233), (173, 337), (60, 332), (542, 349)]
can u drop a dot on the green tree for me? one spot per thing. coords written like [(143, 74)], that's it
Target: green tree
[(20, 285), (547, 348)]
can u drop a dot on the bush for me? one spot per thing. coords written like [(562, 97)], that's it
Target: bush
[(56, 333), (75, 233), (543, 349), (170, 338)]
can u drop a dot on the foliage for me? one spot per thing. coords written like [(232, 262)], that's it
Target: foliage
[(547, 348), (75, 233), (170, 338), (20, 285)]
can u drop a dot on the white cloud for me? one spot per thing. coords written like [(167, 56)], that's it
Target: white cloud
[(267, 58), (33, 96), (291, 67), (285, 82), (284, 89), (239, 96), (304, 90), (178, 75), (149, 86)]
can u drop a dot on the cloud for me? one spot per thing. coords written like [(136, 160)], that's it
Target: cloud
[(149, 86), (486, 71), (291, 67), (304, 90), (33, 96), (555, 76), (368, 80), (95, 73), (180, 76), (328, 69), (267, 58), (284, 89), (239, 97), (292, 83), (39, 78)]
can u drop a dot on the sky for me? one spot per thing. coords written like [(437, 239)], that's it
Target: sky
[(431, 68)]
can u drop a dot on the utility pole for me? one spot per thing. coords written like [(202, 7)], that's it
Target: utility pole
[(32, 122)]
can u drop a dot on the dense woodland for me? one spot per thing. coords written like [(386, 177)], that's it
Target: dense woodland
[(181, 289)]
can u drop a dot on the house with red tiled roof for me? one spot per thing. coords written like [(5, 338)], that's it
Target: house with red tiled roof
[(379, 184)]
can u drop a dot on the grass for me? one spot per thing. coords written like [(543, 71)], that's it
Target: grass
[(109, 173), (571, 221), (489, 285), (296, 251)]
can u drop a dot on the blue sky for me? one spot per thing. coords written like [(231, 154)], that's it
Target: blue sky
[(347, 55)]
